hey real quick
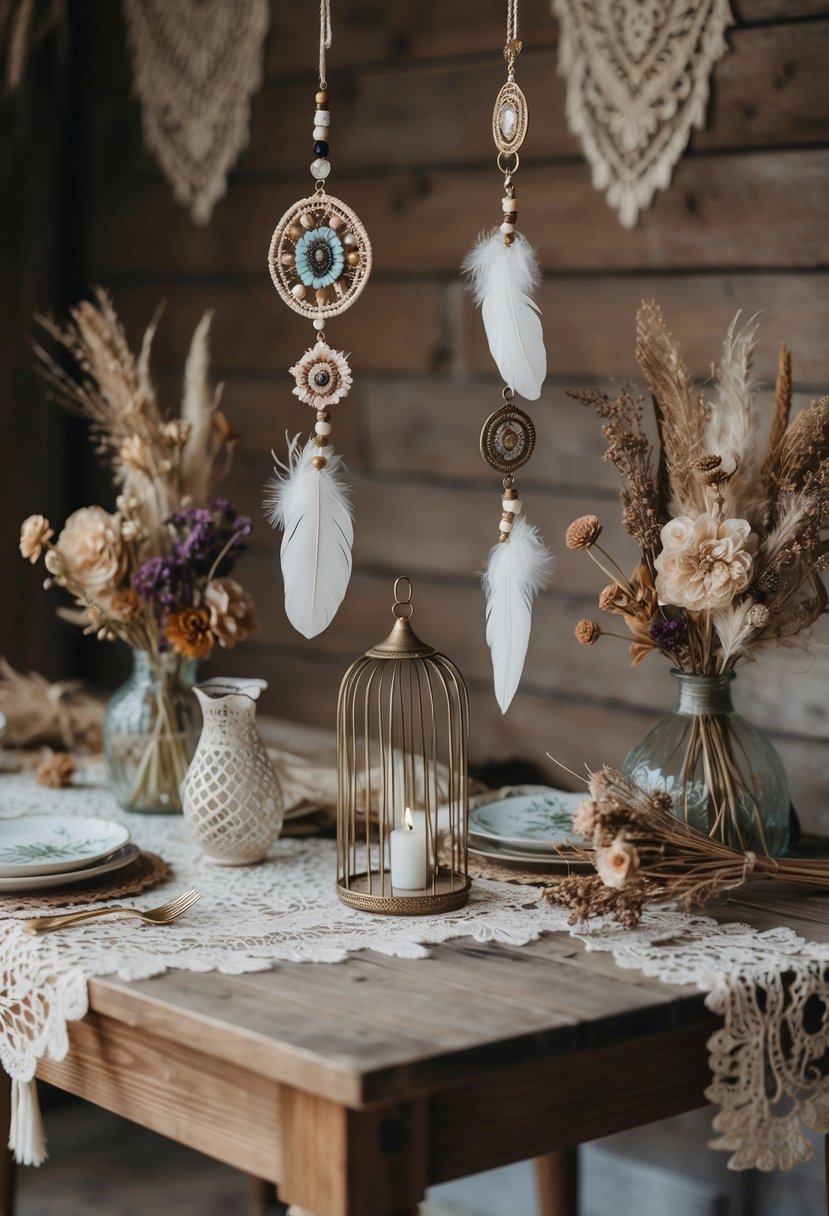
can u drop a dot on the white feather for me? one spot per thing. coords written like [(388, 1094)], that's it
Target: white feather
[(311, 507), (517, 570), (503, 278)]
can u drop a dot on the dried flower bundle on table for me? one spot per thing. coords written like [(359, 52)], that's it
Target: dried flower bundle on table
[(155, 572), (732, 538), (643, 854)]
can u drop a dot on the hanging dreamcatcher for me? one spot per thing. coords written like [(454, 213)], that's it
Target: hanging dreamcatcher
[(503, 272), (320, 260)]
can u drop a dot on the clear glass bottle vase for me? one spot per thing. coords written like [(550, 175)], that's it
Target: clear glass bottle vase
[(151, 728), (725, 777)]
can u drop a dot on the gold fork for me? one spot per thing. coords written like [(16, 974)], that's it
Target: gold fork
[(153, 916)]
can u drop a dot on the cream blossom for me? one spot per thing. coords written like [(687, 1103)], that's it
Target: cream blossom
[(92, 551), (323, 376), (35, 533), (232, 617), (704, 562), (617, 863)]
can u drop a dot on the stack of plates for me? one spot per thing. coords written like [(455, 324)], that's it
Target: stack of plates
[(39, 852), (530, 831)]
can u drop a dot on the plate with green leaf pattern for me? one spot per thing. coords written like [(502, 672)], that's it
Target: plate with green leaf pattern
[(32, 845), (535, 823)]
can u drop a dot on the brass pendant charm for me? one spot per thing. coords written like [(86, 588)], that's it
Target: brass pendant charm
[(509, 119), (507, 439), (320, 256)]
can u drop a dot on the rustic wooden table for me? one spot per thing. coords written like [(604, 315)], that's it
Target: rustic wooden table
[(353, 1087)]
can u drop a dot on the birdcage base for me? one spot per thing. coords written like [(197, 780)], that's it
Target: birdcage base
[(451, 891)]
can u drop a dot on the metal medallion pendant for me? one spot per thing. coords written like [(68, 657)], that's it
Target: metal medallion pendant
[(507, 439), (320, 256), (509, 118)]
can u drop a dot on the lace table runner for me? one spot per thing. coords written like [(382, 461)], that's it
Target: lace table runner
[(771, 989)]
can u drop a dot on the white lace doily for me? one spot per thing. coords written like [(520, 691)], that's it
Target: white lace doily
[(196, 65), (637, 84), (250, 919)]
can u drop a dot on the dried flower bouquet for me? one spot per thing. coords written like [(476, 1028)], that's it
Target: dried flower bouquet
[(155, 573), (732, 539), (643, 854)]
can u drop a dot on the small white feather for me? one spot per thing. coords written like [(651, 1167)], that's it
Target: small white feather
[(517, 570), (503, 278), (311, 507)]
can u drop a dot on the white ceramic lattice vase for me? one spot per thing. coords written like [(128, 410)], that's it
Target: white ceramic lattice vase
[(231, 796)]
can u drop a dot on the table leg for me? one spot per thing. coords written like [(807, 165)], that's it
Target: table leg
[(342, 1162), (7, 1166), (557, 1182)]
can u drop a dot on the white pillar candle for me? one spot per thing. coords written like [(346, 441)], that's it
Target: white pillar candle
[(408, 856)]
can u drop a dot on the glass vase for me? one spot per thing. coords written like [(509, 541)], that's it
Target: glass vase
[(724, 776), (151, 729)]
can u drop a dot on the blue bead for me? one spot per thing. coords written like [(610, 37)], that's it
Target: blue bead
[(320, 148)]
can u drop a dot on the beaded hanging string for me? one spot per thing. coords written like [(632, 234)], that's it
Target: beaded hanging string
[(503, 272), (320, 261)]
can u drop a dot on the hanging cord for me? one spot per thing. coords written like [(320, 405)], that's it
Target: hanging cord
[(512, 21), (325, 36)]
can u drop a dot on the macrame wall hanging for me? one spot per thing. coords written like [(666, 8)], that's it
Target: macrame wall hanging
[(502, 269), (637, 85), (320, 260), (196, 65)]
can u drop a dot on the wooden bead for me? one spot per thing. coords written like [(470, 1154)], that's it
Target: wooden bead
[(295, 232), (323, 415), (319, 462), (334, 222), (353, 259), (321, 296), (321, 98), (288, 259), (306, 220), (321, 441)]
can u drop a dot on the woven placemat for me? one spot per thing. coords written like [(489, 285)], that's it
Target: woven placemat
[(147, 871)]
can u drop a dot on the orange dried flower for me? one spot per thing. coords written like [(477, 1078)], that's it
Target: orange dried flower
[(583, 532), (587, 632), (125, 605), (56, 770), (189, 633)]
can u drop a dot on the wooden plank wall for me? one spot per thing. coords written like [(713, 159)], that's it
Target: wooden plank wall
[(743, 226)]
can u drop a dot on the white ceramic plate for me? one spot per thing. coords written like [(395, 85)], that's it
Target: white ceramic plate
[(46, 882), (544, 864), (32, 845), (531, 823)]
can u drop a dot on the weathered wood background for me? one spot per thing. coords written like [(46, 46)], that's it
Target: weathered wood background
[(744, 226)]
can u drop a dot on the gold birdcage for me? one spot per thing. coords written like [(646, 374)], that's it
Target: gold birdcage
[(403, 785)]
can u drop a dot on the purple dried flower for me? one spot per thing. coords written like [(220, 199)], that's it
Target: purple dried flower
[(669, 635)]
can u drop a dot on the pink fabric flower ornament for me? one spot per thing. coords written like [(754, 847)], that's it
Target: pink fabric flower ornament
[(322, 376)]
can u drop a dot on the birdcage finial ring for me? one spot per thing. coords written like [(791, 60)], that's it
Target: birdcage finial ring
[(403, 608)]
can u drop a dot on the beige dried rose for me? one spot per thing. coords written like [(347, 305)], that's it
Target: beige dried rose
[(92, 551), (704, 562), (618, 863), (232, 613), (35, 534)]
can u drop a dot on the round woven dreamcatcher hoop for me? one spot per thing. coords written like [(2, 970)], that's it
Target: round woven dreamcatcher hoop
[(324, 213), (507, 439)]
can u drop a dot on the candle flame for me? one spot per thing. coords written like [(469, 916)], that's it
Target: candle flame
[(408, 821)]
